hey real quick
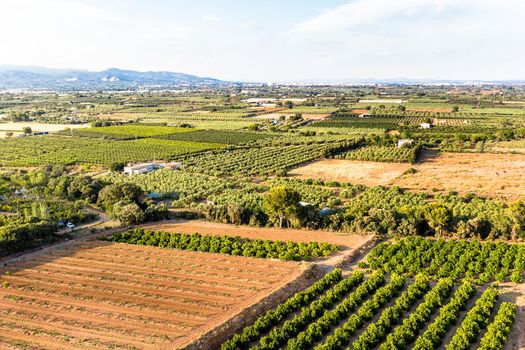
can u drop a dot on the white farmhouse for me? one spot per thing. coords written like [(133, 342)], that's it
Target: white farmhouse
[(425, 125), (403, 142), (141, 168)]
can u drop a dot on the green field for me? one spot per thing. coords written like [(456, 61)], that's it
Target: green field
[(34, 151)]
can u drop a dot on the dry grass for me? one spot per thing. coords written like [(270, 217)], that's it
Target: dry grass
[(357, 172), (492, 175), (488, 174), (39, 127)]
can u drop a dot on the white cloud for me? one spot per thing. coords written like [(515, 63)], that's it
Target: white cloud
[(210, 18), (362, 38), (417, 38), (367, 13)]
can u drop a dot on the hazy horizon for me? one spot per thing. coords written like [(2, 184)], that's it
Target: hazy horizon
[(271, 41)]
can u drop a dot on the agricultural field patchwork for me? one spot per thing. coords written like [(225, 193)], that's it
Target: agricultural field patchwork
[(286, 217)]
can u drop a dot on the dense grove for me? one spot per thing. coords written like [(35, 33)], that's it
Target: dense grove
[(383, 154), (352, 208), (388, 309), (457, 259), (259, 161), (220, 136), (226, 245)]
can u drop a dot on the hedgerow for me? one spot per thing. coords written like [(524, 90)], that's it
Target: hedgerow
[(226, 244), (476, 319), (498, 331), (448, 315)]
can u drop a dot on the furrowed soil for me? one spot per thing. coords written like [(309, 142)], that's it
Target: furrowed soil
[(91, 294)]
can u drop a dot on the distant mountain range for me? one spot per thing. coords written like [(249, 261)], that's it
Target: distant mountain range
[(41, 78), (26, 77)]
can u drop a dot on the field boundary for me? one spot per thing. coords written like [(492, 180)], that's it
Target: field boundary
[(213, 338)]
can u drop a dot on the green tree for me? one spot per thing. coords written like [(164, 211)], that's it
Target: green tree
[(27, 130), (114, 193), (438, 217), (128, 213), (282, 203), (517, 215)]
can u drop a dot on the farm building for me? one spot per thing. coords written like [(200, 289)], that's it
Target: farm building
[(425, 125), (171, 165), (403, 142), (141, 168)]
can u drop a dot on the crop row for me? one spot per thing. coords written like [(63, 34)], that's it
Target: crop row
[(408, 331), (226, 244), (275, 316), (451, 258), (498, 331), (316, 330), (448, 316), (376, 332), (382, 154), (279, 335), (365, 313), (33, 151), (257, 161), (219, 136), (476, 319)]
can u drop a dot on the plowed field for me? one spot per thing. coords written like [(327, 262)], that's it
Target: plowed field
[(99, 295)]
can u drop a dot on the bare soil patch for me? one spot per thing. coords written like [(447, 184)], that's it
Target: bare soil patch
[(492, 175), (17, 127), (90, 294), (433, 110), (367, 173), (315, 116), (268, 116), (487, 174), (214, 228)]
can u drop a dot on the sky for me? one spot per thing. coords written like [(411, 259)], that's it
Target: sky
[(271, 40)]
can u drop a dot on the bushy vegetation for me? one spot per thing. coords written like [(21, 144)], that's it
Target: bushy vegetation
[(452, 258), (383, 154), (341, 335), (447, 317), (32, 151), (226, 245), (498, 331), (220, 136), (476, 319), (259, 161), (276, 315), (376, 332)]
